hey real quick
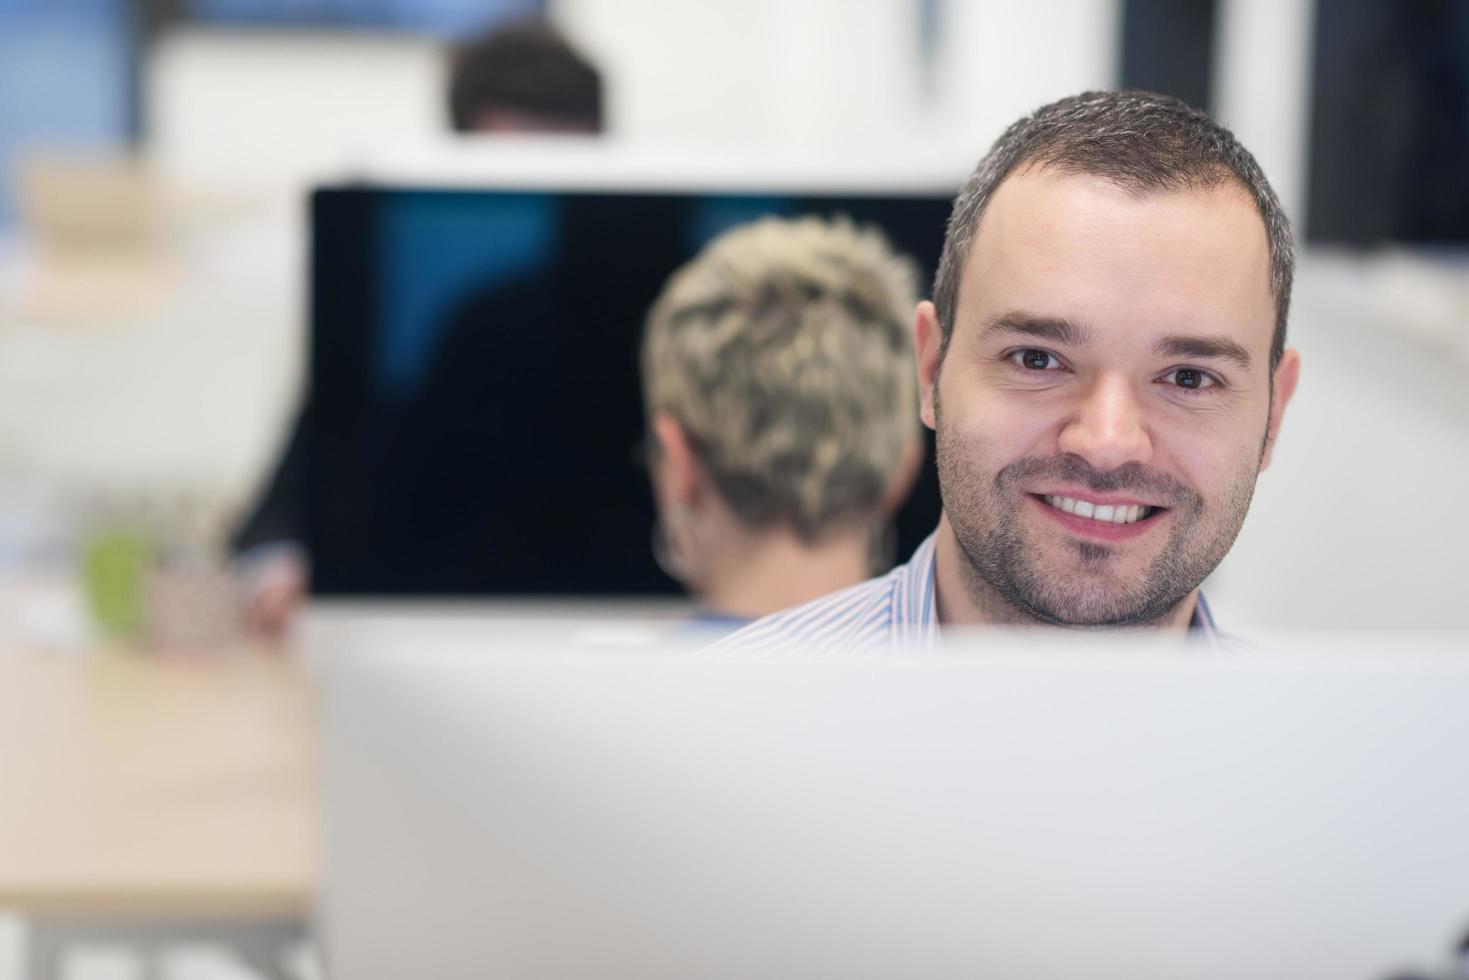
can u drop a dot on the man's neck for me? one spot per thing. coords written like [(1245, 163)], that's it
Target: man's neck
[(962, 598), (771, 570)]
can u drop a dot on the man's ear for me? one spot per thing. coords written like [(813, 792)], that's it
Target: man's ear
[(928, 345), (678, 476), (1287, 374)]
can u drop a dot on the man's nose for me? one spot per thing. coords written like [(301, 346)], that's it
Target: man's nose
[(1107, 428)]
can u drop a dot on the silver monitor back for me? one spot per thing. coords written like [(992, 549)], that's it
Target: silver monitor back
[(514, 807)]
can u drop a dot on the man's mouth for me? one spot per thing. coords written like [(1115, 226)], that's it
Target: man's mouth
[(1102, 513)]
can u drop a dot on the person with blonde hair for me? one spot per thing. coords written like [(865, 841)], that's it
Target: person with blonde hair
[(782, 409)]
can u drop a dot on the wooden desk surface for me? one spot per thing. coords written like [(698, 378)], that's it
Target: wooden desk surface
[(133, 785)]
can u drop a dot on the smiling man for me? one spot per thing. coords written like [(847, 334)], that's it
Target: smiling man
[(1104, 364)]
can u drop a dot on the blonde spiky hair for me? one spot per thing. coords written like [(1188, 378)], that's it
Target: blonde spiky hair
[(783, 351)]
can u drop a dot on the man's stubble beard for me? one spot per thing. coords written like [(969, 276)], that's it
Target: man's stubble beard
[(1004, 573)]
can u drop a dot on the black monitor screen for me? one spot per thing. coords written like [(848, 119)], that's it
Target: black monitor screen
[(1390, 123), (475, 410)]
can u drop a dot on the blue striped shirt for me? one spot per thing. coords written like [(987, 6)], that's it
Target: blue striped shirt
[(895, 613)]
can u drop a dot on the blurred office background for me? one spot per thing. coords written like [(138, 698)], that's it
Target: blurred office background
[(155, 162), (156, 154)]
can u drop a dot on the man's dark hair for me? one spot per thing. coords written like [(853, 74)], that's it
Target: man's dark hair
[(1137, 140), (527, 68)]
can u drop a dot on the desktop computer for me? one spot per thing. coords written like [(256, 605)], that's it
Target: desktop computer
[(474, 416), (504, 802)]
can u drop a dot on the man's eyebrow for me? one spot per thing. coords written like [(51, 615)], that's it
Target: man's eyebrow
[(1202, 347), (1058, 330)]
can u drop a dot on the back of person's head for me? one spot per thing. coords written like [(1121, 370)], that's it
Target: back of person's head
[(782, 351), (523, 77)]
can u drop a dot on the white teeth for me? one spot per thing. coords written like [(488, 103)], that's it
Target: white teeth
[(1109, 513)]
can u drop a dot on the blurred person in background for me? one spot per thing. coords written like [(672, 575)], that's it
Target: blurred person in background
[(522, 78), (782, 413)]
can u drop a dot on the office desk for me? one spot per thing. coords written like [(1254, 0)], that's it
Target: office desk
[(155, 795), (149, 787)]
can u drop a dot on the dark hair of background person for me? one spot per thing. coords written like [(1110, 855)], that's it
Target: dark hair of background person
[(1138, 140), (523, 70)]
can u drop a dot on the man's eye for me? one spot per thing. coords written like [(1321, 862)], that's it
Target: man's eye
[(1191, 379), (1035, 359)]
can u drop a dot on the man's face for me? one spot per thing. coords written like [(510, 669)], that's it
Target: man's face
[(1104, 405)]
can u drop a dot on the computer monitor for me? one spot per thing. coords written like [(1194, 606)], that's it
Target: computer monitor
[(511, 804), (474, 412)]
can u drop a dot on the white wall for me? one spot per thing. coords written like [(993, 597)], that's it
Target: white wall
[(1002, 60), (1356, 523), (1262, 79), (260, 107), (837, 73), (745, 72)]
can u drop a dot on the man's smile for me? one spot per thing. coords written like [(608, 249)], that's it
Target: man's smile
[(1106, 518)]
